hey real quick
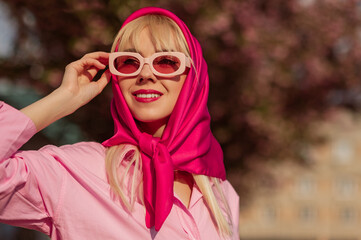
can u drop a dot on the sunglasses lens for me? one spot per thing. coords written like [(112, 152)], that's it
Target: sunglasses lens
[(126, 64), (166, 64)]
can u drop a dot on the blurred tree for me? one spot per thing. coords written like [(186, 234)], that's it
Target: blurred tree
[(275, 66)]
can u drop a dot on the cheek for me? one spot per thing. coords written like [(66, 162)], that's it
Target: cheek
[(124, 86), (179, 85), (176, 89)]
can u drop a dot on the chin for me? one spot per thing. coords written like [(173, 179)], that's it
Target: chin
[(150, 115), (148, 118)]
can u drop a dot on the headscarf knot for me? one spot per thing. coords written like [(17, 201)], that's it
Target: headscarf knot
[(157, 169)]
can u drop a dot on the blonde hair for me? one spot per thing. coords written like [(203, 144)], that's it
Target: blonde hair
[(123, 162), (164, 34)]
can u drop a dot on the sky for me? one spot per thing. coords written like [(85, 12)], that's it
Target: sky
[(7, 30)]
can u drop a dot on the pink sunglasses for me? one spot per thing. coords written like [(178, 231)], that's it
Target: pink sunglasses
[(163, 64)]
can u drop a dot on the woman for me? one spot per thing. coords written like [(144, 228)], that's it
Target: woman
[(163, 175)]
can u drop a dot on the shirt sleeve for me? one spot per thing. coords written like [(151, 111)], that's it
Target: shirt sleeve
[(22, 200), (15, 130)]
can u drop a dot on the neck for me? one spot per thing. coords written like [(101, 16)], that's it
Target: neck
[(183, 184), (155, 128)]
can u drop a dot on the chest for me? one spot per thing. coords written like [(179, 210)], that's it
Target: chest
[(91, 212)]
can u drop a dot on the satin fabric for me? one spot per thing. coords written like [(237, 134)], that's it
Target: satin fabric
[(187, 143)]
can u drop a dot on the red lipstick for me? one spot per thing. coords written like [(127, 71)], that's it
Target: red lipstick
[(146, 95)]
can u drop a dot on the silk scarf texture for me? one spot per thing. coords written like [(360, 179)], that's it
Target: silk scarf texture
[(187, 143)]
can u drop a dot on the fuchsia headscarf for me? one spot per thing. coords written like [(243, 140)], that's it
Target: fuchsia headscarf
[(187, 143)]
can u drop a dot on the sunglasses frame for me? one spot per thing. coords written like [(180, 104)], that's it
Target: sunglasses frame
[(184, 62)]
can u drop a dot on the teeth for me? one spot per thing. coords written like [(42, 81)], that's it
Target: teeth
[(148, 95)]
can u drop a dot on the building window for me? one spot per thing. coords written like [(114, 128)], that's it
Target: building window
[(348, 215), (307, 214), (305, 186), (342, 151), (345, 187), (269, 214)]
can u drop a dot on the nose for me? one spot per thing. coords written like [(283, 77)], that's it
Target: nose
[(146, 73)]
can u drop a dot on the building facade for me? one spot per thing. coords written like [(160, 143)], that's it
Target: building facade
[(319, 202)]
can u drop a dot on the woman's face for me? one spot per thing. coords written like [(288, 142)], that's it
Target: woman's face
[(150, 98)]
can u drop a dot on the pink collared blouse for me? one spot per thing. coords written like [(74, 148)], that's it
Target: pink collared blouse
[(64, 193)]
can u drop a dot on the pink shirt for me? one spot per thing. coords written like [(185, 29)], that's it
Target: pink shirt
[(64, 193)]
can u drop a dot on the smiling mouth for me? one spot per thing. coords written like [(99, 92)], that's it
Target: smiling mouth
[(152, 95), (146, 95)]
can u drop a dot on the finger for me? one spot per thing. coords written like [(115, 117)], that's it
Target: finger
[(93, 72), (103, 80), (87, 64), (95, 58), (97, 54), (90, 63), (100, 56)]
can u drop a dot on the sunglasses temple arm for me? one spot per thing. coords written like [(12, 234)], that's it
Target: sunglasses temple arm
[(100, 73)]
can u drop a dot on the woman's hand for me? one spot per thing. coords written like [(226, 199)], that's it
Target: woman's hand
[(77, 80), (76, 89)]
